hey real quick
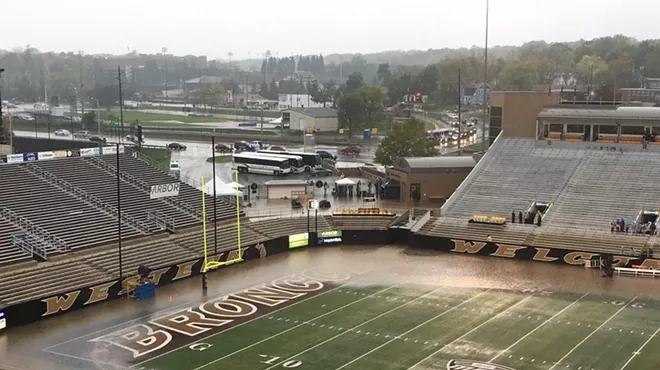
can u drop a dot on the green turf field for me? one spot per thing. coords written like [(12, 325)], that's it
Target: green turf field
[(421, 327)]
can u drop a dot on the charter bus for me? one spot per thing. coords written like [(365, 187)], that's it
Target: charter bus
[(257, 163), (295, 161), (310, 160)]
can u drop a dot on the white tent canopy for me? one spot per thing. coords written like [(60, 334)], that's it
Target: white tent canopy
[(345, 181), (221, 188)]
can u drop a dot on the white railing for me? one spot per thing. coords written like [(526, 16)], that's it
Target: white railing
[(421, 222), (36, 232), (92, 200), (625, 271), (29, 246), (127, 177)]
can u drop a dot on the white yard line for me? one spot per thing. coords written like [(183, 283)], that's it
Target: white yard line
[(640, 349), (464, 335), (358, 326), (538, 327), (288, 330), (254, 319), (590, 334)]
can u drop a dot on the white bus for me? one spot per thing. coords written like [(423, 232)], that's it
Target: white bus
[(256, 163), (310, 160), (295, 161)]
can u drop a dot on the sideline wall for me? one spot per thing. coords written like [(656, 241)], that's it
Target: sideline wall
[(539, 254), (31, 311)]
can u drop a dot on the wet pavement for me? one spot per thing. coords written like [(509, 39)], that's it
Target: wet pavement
[(22, 347)]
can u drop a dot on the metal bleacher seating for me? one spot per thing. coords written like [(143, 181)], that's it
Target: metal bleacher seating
[(587, 189), (58, 212), (103, 184), (277, 227), (8, 252), (153, 176)]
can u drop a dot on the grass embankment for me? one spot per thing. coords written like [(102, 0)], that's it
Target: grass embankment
[(159, 119), (161, 156)]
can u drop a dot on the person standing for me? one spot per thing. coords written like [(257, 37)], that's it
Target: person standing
[(513, 217)]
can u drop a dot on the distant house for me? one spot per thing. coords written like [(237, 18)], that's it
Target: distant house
[(313, 119)]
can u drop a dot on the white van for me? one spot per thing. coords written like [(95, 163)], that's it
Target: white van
[(175, 170)]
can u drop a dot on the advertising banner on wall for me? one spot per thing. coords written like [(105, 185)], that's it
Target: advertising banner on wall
[(298, 240), (28, 157), (46, 155), (329, 237), (60, 154), (88, 152), (14, 158), (3, 320)]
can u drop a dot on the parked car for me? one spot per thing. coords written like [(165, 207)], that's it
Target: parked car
[(257, 144), (97, 139), (244, 146), (223, 148), (278, 148), (351, 150), (82, 135), (132, 138), (176, 147), (324, 204), (320, 172), (324, 154), (295, 203), (62, 133)]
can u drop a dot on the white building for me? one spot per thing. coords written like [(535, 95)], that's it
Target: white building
[(311, 119), (288, 101)]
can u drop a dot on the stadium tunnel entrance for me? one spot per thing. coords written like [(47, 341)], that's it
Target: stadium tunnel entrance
[(536, 207), (646, 222)]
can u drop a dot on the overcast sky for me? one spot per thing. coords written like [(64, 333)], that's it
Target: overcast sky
[(250, 27)]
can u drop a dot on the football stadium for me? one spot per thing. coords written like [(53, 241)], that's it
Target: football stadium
[(542, 258)]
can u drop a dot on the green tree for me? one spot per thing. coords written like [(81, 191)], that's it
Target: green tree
[(351, 112), (384, 74), (408, 139), (592, 64), (372, 102), (88, 120), (354, 81)]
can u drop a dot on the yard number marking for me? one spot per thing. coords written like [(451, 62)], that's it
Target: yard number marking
[(200, 346), (287, 364)]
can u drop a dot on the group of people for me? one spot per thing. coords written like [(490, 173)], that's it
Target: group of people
[(524, 218), (621, 226)]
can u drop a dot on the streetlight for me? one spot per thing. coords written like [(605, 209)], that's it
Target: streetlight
[(2, 120)]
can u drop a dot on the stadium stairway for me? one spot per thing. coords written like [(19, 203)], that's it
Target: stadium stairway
[(56, 211), (153, 176)]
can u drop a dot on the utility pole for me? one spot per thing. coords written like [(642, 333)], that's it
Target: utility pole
[(245, 95), (82, 86), (166, 95), (460, 117), (2, 119), (591, 80), (307, 92), (483, 102), (121, 106)]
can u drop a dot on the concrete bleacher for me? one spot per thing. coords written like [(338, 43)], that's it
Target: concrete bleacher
[(512, 175), (102, 184), (154, 176), (362, 222), (47, 278), (8, 252), (56, 211), (277, 227), (587, 185)]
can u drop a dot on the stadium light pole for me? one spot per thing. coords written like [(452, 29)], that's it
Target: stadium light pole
[(2, 120), (483, 103), (215, 204), (121, 269), (121, 106)]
